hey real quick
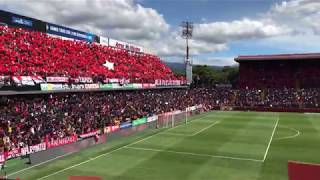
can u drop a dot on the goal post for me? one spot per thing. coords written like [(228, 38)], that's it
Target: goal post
[(172, 119), (176, 118)]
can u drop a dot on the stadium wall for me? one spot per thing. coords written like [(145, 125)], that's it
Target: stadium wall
[(15, 20), (19, 21), (270, 109), (70, 33), (303, 171), (60, 151)]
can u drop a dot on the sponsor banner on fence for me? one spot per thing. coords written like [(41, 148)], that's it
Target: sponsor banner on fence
[(33, 149), (104, 41), (139, 121), (22, 151), (38, 79), (113, 80), (83, 80), (125, 125), (138, 86), (91, 86), (124, 81), (124, 45), (152, 118), (4, 80), (192, 108), (110, 129), (69, 33), (61, 142), (148, 85), (116, 86), (77, 86), (105, 86), (90, 134), (51, 87), (57, 79), (57, 87), (26, 80), (160, 82), (127, 86), (12, 154), (23, 80), (21, 21)]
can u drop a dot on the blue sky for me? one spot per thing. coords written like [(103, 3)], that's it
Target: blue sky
[(202, 11), (223, 29), (175, 11)]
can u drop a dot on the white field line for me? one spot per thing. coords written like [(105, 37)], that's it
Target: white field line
[(181, 134), (274, 130), (312, 113), (91, 159), (39, 164), (195, 154), (289, 137), (175, 134), (189, 135), (217, 122)]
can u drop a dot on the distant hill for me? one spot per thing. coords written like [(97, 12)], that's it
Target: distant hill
[(181, 67)]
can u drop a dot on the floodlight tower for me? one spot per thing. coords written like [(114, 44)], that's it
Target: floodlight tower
[(187, 28)]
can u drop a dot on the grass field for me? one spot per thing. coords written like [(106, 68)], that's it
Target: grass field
[(216, 145)]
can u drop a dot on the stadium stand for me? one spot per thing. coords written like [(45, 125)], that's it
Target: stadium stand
[(28, 120), (279, 71), (32, 53), (31, 119)]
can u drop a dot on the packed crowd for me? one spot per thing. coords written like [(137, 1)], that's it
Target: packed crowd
[(279, 74), (31, 53), (278, 98), (27, 120)]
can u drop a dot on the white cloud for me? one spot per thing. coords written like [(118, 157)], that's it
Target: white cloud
[(216, 61), (175, 46), (117, 18), (301, 43), (301, 15), (222, 32)]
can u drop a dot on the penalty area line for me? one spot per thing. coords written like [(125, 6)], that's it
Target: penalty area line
[(195, 154), (189, 135), (213, 124)]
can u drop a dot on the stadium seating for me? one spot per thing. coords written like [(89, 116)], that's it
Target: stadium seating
[(30, 53), (30, 119), (284, 74)]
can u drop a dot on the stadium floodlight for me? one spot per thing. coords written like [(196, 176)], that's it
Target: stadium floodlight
[(187, 29)]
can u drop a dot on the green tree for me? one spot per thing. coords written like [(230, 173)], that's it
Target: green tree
[(204, 75)]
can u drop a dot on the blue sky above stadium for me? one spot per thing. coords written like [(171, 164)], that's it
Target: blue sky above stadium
[(223, 28)]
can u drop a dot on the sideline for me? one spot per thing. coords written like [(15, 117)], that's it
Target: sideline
[(274, 130), (44, 162), (195, 154)]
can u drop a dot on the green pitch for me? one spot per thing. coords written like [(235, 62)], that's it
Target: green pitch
[(216, 145)]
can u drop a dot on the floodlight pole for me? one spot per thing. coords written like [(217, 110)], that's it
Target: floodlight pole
[(187, 28)]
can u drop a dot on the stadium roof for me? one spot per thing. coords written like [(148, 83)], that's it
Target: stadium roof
[(310, 56)]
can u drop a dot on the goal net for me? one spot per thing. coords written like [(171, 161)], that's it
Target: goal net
[(172, 119)]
